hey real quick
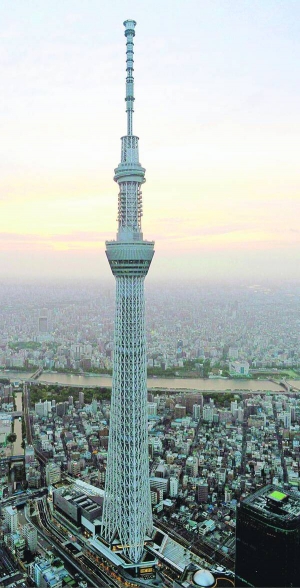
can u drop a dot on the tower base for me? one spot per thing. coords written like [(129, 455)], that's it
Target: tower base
[(143, 573)]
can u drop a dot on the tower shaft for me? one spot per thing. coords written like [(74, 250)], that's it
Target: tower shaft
[(127, 515)]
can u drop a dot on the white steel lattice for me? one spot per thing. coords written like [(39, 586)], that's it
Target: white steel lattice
[(127, 508), (127, 516), (130, 207)]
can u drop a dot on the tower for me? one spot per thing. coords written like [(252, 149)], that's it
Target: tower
[(127, 517)]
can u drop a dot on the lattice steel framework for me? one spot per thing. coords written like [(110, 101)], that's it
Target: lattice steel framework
[(127, 516)]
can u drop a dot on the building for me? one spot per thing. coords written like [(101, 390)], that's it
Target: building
[(152, 408), (30, 536), (202, 491), (208, 413), (43, 575), (33, 476), (192, 399), (5, 427), (76, 507), (61, 409), (268, 539), (43, 321), (174, 484), (15, 543), (29, 454), (157, 496), (160, 483), (239, 368), (127, 515), (196, 412), (180, 411), (74, 467), (191, 466), (11, 519), (53, 473), (42, 408)]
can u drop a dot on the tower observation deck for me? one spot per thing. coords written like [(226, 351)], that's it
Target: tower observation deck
[(127, 516)]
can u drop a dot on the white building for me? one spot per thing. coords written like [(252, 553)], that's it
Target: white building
[(5, 426), (11, 518), (192, 466), (74, 467), (173, 487), (152, 408), (30, 536), (233, 407), (208, 413), (287, 419), (239, 368), (160, 483), (196, 412), (42, 408)]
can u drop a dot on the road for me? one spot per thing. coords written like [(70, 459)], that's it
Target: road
[(84, 565)]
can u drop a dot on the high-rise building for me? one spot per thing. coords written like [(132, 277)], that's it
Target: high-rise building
[(196, 412), (43, 321), (268, 539), (30, 536), (42, 408), (11, 518), (127, 515), (202, 491), (208, 413), (174, 483), (191, 466)]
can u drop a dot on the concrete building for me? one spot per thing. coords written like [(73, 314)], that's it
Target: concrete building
[(268, 539), (11, 519), (53, 473), (174, 485), (202, 491), (30, 536), (196, 412)]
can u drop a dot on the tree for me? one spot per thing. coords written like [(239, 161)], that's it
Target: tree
[(11, 437)]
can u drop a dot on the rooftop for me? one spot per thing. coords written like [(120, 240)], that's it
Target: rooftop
[(272, 501)]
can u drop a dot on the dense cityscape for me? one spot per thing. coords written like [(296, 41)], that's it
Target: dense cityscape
[(71, 326), (210, 446)]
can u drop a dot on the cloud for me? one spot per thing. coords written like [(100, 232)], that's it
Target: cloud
[(80, 236), (206, 231), (79, 241)]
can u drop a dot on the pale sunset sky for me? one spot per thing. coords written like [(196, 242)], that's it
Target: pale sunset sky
[(217, 108)]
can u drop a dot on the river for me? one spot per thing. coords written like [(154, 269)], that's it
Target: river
[(198, 384)]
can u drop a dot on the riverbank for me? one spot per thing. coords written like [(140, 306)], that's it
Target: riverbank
[(196, 384)]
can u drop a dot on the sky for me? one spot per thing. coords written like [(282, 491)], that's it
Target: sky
[(217, 108)]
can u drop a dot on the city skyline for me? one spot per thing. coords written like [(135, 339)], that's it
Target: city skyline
[(217, 106)]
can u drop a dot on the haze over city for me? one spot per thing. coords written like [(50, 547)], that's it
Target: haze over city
[(217, 109)]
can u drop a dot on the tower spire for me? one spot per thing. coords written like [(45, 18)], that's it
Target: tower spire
[(129, 174), (129, 34)]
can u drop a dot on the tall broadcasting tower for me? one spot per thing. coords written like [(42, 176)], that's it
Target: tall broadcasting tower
[(127, 516)]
